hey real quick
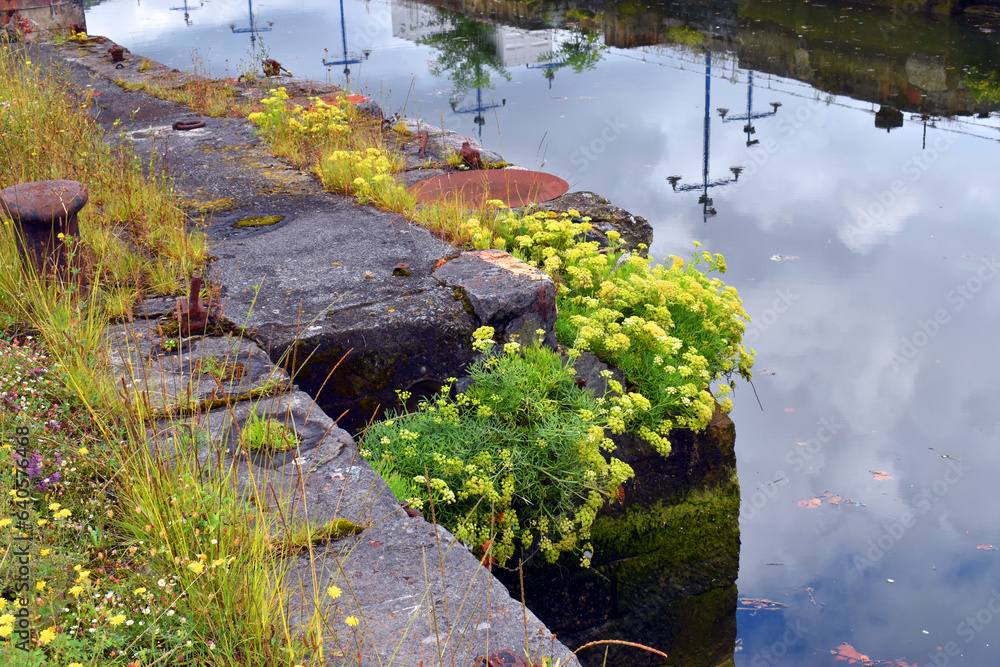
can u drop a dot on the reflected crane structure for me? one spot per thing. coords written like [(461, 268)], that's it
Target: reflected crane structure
[(253, 28), (350, 58), (187, 11)]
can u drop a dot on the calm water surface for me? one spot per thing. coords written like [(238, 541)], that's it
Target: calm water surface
[(866, 257)]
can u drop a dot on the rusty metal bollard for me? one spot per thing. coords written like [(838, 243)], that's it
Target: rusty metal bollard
[(44, 213)]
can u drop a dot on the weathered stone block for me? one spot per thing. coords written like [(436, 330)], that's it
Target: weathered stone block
[(513, 297)]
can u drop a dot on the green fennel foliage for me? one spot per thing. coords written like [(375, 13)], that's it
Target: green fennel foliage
[(518, 458)]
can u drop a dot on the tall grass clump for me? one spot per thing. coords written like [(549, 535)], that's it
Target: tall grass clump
[(134, 238), (132, 558)]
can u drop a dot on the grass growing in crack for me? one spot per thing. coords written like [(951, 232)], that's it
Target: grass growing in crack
[(266, 434), (211, 97)]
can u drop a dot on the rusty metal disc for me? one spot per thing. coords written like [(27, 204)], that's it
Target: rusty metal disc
[(43, 202), (514, 187)]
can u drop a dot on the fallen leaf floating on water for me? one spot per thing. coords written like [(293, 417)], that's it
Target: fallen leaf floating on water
[(880, 475), (784, 258), (847, 652), (986, 547), (813, 503), (767, 372)]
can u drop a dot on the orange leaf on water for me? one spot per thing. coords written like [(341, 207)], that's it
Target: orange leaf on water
[(813, 502), (986, 547), (847, 652), (880, 475)]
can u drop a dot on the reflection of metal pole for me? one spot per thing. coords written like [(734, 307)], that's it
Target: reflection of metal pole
[(343, 36), (253, 29), (187, 12), (705, 201), (706, 149), (349, 59), (550, 69), (750, 115), (479, 119)]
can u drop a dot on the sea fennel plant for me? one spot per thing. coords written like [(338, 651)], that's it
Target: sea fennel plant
[(672, 330), (519, 458)]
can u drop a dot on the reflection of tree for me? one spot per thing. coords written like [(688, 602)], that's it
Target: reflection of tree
[(582, 51), (467, 54), (985, 86)]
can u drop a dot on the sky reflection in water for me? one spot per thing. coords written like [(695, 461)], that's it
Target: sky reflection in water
[(828, 318)]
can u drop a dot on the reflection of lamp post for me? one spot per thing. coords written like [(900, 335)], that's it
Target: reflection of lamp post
[(750, 115), (187, 10), (924, 118), (479, 108), (550, 69), (253, 29), (349, 58), (706, 201)]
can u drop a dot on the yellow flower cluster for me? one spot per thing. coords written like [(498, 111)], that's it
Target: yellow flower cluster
[(672, 329)]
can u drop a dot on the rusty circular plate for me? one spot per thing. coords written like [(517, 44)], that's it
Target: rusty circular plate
[(514, 187), (43, 202)]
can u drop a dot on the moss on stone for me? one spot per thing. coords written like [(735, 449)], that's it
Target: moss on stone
[(691, 542), (258, 221)]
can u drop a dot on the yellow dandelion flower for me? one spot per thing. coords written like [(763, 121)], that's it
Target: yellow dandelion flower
[(76, 590), (7, 619), (117, 619), (197, 567), (44, 552), (140, 590), (334, 592), (42, 522), (47, 635), (5, 522), (54, 506), (40, 585), (83, 450), (5, 630), (352, 621), (75, 664), (61, 514)]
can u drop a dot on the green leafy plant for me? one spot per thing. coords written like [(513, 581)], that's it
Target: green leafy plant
[(517, 459)]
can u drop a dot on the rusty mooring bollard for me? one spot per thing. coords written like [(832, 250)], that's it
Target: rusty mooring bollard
[(44, 213)]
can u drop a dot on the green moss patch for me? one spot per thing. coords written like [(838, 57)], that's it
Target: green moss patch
[(258, 221)]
